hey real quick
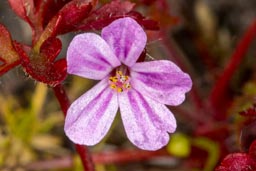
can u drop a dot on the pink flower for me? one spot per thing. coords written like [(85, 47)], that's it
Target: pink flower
[(140, 90)]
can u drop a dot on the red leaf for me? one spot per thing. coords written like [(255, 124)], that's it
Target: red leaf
[(146, 23), (112, 11), (23, 8), (237, 162), (40, 68), (51, 48), (106, 14), (9, 58), (48, 9), (66, 20), (252, 150), (248, 135), (250, 112), (72, 14)]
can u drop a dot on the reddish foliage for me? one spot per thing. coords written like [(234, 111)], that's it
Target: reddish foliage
[(237, 162), (8, 56), (109, 12), (71, 15), (23, 8), (50, 18), (250, 112), (220, 98), (240, 161), (252, 150), (48, 9), (41, 66), (248, 134)]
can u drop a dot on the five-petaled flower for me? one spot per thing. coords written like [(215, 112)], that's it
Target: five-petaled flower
[(140, 90)]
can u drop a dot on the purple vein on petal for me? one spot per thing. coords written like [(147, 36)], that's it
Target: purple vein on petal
[(154, 117), (102, 109), (164, 87), (138, 115), (89, 117), (89, 56), (88, 108), (126, 38), (89, 61), (138, 124), (162, 81)]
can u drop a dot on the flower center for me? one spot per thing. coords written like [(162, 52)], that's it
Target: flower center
[(120, 82)]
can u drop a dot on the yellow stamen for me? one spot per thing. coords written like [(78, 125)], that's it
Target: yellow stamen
[(119, 82), (113, 79), (119, 90), (113, 86)]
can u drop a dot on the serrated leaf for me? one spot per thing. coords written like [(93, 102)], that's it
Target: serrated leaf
[(65, 20), (106, 14), (72, 14), (109, 12), (48, 9)]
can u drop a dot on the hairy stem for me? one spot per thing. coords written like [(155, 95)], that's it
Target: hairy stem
[(83, 151)]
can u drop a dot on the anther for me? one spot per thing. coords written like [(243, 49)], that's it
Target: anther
[(119, 82)]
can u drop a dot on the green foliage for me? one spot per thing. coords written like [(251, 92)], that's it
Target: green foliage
[(25, 129)]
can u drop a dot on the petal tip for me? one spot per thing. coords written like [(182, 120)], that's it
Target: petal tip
[(159, 143)]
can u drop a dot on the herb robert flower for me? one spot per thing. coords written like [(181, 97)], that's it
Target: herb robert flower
[(139, 89)]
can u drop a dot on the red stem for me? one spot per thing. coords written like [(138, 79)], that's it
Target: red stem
[(107, 157), (83, 151), (218, 94), (126, 156)]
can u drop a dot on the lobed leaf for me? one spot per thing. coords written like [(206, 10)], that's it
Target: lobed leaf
[(109, 12), (65, 20), (72, 14), (48, 9)]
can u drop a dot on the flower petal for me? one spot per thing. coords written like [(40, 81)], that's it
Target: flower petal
[(146, 121), (90, 116), (126, 38), (89, 56), (161, 80)]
